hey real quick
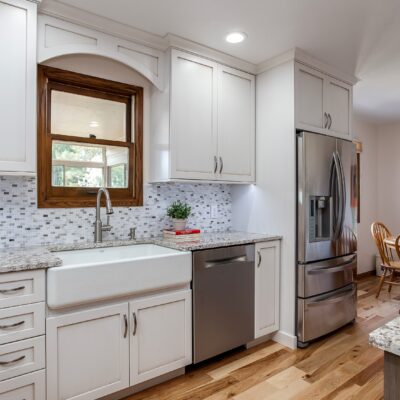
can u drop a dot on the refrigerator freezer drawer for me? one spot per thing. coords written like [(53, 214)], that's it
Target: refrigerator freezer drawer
[(325, 276), (323, 314)]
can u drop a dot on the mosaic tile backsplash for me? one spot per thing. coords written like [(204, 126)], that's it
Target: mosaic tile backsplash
[(23, 224)]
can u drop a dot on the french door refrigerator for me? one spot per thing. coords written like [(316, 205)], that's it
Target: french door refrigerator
[(326, 235)]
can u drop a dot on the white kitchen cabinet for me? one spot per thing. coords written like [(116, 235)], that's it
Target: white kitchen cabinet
[(208, 132), (193, 116), (236, 125), (88, 353), (161, 332), (339, 105), (267, 285), (309, 98), (323, 104), (18, 87)]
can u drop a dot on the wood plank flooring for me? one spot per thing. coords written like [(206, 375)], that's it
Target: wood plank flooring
[(342, 366)]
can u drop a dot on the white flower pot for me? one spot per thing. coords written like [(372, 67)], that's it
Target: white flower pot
[(179, 224)]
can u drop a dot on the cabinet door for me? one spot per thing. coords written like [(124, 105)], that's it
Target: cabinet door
[(161, 335), (267, 288), (236, 125), (193, 122), (339, 103), (88, 353), (18, 86), (309, 99)]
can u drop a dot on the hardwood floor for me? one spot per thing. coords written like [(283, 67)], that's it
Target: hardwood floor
[(341, 366)]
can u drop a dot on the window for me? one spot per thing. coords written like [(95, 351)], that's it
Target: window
[(89, 136)]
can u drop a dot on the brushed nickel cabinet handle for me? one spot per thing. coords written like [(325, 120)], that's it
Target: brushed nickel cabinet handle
[(134, 324), (126, 326), (330, 121), (215, 164), (326, 120), (12, 361), (17, 289), (12, 325), (259, 258), (221, 165)]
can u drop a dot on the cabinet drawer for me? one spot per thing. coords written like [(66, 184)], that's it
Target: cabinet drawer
[(25, 387), (17, 288), (22, 322), (21, 357), (322, 314)]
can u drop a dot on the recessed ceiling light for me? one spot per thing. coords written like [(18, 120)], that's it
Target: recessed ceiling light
[(93, 124), (235, 37)]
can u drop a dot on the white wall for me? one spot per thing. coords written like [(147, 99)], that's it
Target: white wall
[(269, 206), (388, 176), (367, 134)]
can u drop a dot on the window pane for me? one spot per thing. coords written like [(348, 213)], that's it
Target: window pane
[(68, 151), (84, 177), (86, 165), (58, 175), (78, 115), (117, 176)]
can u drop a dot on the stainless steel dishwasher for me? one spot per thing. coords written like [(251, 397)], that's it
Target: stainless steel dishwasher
[(223, 300)]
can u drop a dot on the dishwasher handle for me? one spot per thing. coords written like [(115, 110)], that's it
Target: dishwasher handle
[(225, 261)]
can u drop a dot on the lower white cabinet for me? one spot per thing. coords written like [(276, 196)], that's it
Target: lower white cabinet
[(267, 287), (88, 353), (99, 351), (161, 331), (25, 387)]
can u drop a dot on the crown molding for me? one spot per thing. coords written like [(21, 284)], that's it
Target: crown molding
[(56, 9), (305, 58), (180, 43)]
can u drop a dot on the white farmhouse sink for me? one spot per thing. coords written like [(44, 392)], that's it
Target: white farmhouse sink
[(103, 273)]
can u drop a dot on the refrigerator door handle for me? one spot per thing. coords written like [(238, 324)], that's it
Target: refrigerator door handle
[(339, 199), (334, 299), (336, 268), (343, 199)]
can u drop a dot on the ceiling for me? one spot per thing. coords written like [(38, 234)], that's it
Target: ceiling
[(360, 37)]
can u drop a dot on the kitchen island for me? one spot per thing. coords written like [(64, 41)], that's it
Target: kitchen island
[(387, 338)]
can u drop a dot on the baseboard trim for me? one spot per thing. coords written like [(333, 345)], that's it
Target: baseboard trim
[(366, 274), (286, 339), (280, 337)]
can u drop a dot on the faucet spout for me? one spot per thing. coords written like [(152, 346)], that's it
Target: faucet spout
[(98, 225)]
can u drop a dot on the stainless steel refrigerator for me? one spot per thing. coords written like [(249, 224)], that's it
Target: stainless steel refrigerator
[(326, 235)]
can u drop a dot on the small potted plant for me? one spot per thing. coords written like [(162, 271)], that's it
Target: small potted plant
[(179, 212)]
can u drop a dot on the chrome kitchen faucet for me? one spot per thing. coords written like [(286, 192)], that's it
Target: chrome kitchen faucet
[(99, 228)]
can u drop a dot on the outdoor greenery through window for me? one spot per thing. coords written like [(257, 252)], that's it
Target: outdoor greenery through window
[(76, 165), (89, 136)]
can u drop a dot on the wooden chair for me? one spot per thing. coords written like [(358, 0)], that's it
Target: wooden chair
[(380, 232)]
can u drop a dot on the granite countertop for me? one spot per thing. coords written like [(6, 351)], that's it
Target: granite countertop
[(387, 337), (23, 259), (44, 257)]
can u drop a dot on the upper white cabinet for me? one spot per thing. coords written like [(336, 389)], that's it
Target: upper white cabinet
[(209, 132), (323, 104), (193, 116), (267, 287), (236, 125), (18, 86), (339, 105)]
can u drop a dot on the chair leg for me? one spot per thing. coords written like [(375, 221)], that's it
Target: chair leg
[(392, 277), (381, 282)]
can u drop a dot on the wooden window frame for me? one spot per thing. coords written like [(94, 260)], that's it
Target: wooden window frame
[(49, 196)]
